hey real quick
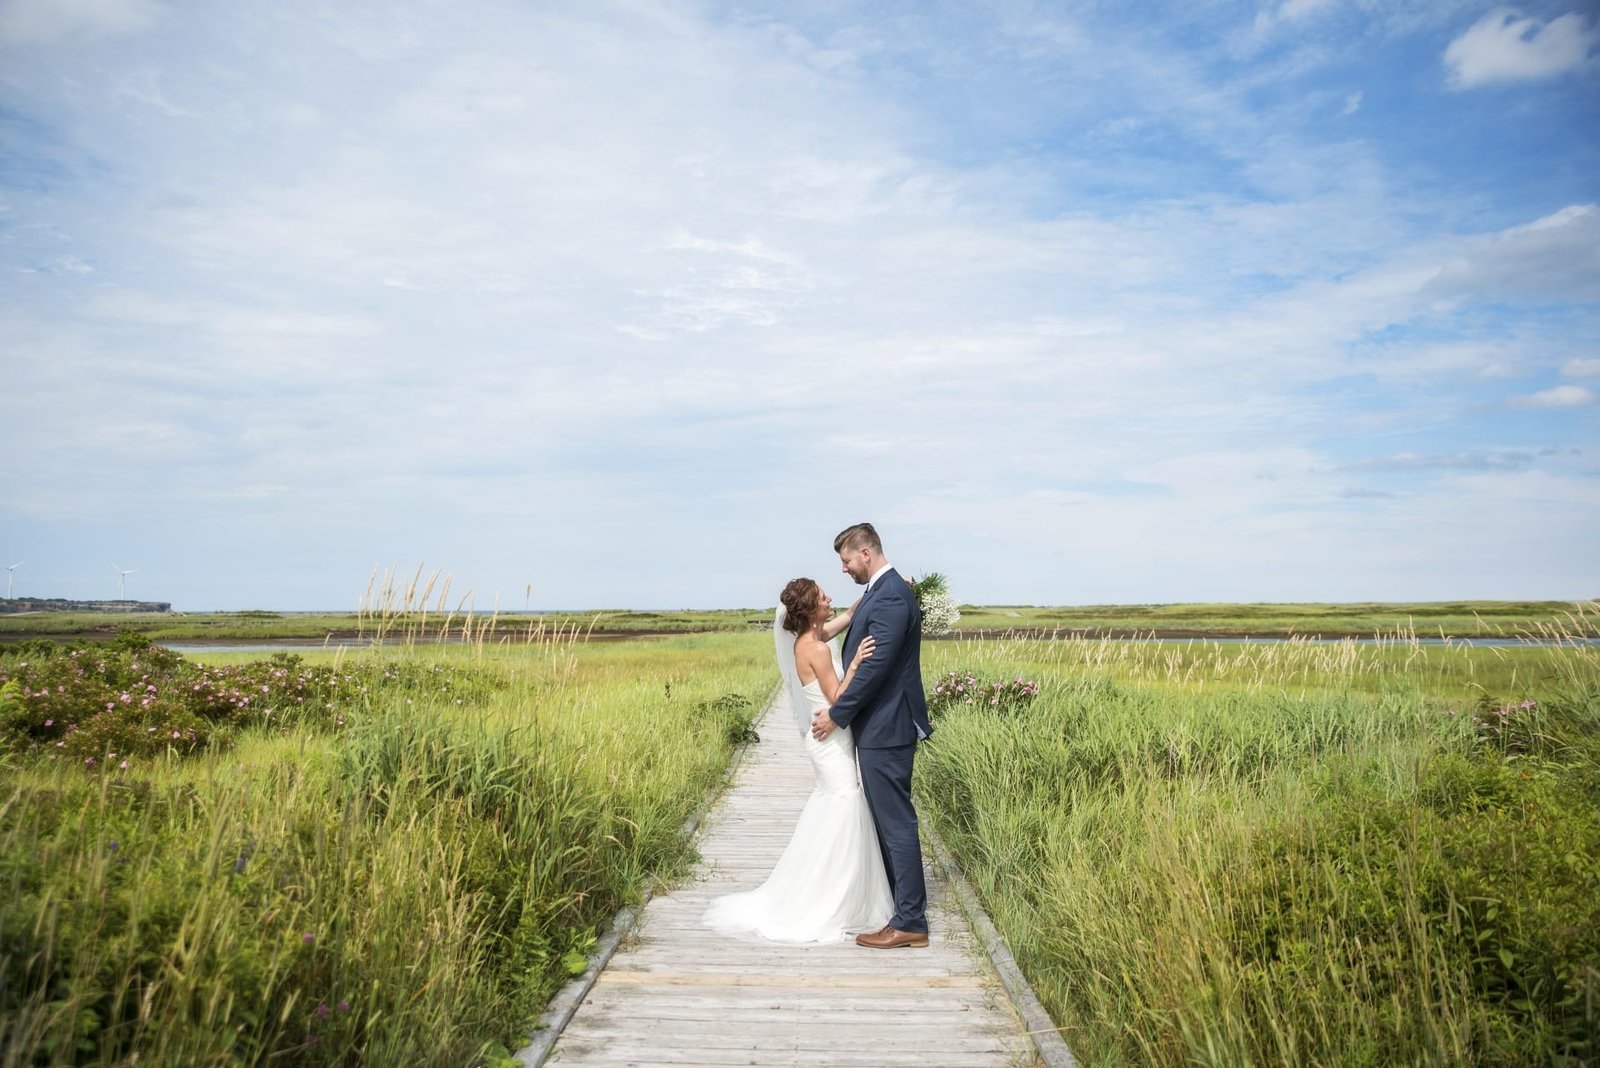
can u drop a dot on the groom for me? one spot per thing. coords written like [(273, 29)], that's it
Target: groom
[(885, 705)]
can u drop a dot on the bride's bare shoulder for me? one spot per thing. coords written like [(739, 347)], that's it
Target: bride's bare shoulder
[(808, 651)]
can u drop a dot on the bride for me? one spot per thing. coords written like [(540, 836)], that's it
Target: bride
[(830, 882)]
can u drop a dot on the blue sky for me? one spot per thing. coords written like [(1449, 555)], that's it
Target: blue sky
[(636, 304)]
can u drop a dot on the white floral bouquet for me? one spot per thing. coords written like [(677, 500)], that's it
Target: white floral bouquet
[(939, 611)]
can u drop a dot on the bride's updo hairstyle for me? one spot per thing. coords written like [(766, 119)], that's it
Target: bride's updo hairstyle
[(800, 599)]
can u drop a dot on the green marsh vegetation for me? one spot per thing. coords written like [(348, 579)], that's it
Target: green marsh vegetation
[(392, 857), (1302, 853)]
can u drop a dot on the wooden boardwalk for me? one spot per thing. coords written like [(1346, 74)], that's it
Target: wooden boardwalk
[(676, 993)]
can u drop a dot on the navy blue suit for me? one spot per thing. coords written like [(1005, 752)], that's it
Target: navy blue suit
[(885, 707)]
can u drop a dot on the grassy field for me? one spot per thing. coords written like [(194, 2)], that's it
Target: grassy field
[(1201, 853), (1457, 619), (1302, 853), (386, 858)]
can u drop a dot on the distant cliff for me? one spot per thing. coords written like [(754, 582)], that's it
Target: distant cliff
[(61, 604)]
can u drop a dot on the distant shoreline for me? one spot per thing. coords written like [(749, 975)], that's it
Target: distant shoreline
[(1483, 620), (23, 606)]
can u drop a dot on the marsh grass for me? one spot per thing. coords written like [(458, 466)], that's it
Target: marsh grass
[(408, 890), (1291, 854)]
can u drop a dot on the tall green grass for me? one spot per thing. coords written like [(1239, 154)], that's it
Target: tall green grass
[(409, 889), (1298, 854)]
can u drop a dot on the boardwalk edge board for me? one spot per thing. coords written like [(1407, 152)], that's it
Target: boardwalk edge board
[(565, 1004), (1042, 1030)]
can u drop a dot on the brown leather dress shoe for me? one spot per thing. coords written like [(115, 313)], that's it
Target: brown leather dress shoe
[(890, 938)]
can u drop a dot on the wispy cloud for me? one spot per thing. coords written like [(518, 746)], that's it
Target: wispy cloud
[(1510, 460), (1555, 397), (1289, 13)]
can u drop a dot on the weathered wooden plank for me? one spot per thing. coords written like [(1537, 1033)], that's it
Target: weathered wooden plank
[(720, 977), (676, 993), (779, 1007), (821, 1033), (590, 1052)]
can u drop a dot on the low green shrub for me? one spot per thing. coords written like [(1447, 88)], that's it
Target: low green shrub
[(1486, 877), (958, 689), (129, 700), (736, 712)]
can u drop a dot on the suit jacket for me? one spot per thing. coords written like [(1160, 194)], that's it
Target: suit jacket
[(884, 703)]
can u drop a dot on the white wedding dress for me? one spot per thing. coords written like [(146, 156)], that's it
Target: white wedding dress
[(830, 883)]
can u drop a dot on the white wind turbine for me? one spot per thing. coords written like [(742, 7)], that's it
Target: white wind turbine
[(122, 580), (9, 570)]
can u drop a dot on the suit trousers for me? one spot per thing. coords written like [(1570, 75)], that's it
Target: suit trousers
[(886, 780)]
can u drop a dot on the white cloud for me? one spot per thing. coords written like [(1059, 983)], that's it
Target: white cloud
[(1582, 367), (1553, 257), (1352, 104), (1505, 46), (1467, 360), (631, 262), (34, 22), (1555, 397), (1505, 460), (1272, 510)]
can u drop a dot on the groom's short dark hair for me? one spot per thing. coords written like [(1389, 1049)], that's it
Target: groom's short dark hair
[(853, 538)]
